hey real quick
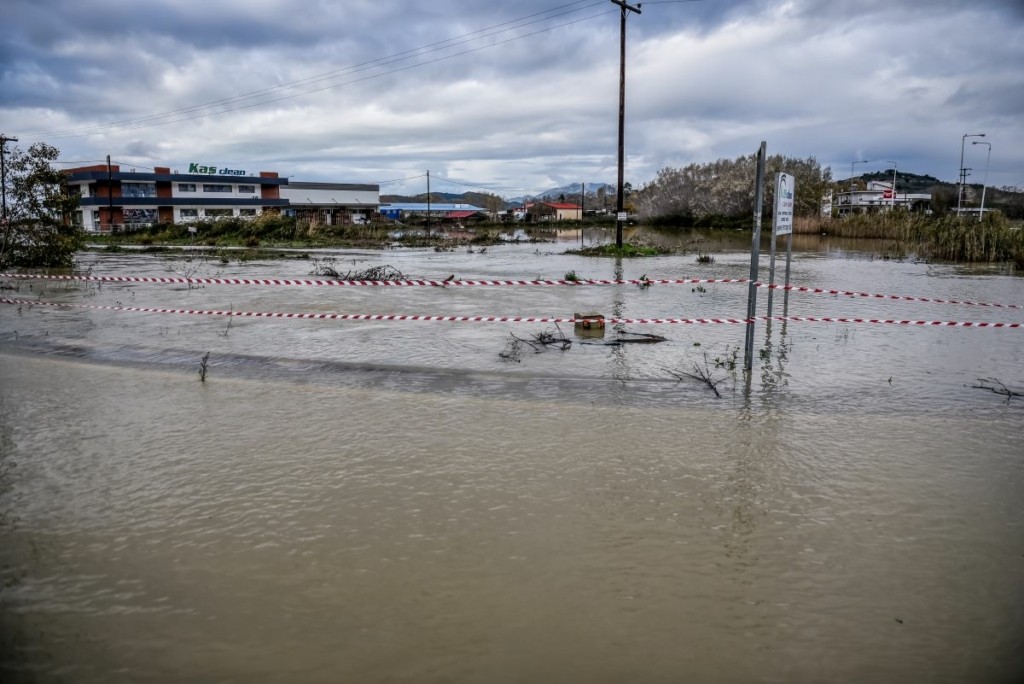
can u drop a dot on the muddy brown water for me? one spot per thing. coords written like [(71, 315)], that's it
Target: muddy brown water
[(393, 502)]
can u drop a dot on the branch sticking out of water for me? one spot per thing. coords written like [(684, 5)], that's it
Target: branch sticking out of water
[(700, 374), (385, 272), (202, 367), (1001, 389)]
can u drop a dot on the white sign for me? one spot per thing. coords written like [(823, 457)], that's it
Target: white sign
[(621, 216), (785, 187)]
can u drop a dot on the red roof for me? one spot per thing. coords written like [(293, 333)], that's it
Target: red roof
[(562, 205), (461, 214)]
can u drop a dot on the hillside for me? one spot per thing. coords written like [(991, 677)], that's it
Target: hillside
[(906, 182), (569, 193)]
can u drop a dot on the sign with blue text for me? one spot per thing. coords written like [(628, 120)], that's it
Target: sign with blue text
[(785, 188)]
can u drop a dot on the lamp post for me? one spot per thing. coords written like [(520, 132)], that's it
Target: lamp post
[(984, 182), (859, 161), (890, 161), (963, 178)]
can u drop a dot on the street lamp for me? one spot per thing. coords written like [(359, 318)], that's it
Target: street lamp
[(859, 161), (984, 182), (963, 178), (890, 161)]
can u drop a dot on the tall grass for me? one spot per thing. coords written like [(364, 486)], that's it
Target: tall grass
[(944, 237)]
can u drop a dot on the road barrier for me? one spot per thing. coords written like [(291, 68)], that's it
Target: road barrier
[(513, 319), (305, 282)]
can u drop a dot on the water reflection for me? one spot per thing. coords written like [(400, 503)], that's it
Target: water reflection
[(375, 501)]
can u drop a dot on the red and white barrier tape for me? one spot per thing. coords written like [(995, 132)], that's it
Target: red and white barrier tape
[(869, 295), (512, 319), (487, 283), (364, 283)]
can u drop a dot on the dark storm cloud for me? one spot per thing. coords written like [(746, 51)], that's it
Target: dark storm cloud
[(707, 79)]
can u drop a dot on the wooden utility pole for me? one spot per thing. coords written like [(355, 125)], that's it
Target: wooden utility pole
[(620, 207), (428, 203)]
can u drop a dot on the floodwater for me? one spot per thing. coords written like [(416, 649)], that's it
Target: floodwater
[(395, 502)]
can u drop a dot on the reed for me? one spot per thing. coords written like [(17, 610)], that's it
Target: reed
[(946, 237)]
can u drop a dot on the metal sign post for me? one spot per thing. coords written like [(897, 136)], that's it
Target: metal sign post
[(755, 253), (782, 224)]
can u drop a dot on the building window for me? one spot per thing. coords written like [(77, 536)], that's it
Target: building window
[(246, 189), (139, 217), (138, 190), (186, 187), (189, 213), (219, 213), (246, 212), (214, 187)]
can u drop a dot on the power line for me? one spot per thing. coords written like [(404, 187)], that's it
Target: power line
[(489, 32), (400, 180), (468, 185)]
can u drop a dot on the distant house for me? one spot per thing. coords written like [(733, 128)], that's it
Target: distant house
[(416, 211), (466, 216), (554, 211), (878, 196)]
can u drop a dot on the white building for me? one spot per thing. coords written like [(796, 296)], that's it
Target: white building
[(112, 199), (331, 203), (878, 196)]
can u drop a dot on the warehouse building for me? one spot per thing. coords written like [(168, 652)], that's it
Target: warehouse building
[(112, 199)]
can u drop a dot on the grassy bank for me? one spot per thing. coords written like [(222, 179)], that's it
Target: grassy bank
[(273, 231), (947, 238)]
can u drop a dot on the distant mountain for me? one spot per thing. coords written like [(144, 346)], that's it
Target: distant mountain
[(571, 193), (445, 197), (906, 182)]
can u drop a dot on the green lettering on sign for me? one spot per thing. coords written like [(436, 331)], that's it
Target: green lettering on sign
[(211, 170)]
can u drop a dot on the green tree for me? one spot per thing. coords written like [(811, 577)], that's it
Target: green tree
[(725, 188), (39, 232)]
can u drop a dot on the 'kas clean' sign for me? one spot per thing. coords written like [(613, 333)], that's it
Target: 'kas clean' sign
[(212, 170)]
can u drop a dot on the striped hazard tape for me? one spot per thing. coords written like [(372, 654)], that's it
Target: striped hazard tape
[(307, 282), (902, 298), (512, 319), (365, 283)]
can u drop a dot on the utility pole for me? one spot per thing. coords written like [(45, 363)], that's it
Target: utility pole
[(428, 203), (620, 208), (963, 171), (3, 179)]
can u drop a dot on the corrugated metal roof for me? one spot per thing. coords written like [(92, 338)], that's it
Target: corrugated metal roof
[(434, 206)]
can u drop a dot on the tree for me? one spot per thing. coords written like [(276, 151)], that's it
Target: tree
[(39, 232), (725, 188)]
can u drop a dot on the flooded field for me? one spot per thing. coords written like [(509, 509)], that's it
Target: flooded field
[(393, 501)]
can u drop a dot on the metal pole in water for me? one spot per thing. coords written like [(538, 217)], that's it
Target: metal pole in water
[(755, 252), (785, 292), (771, 268)]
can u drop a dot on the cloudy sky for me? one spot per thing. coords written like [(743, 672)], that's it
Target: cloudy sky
[(515, 97)]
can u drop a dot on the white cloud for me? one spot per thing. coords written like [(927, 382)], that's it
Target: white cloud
[(708, 80)]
